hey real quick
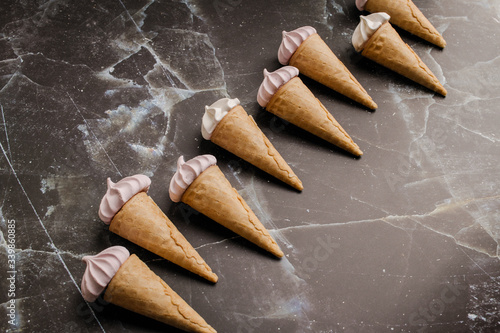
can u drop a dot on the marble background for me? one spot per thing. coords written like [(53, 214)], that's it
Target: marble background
[(403, 239)]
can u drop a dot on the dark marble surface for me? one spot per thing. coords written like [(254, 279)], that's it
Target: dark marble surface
[(404, 239)]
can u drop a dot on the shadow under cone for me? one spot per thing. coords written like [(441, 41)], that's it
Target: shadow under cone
[(388, 49), (407, 16), (295, 103), (142, 222), (316, 60), (238, 133), (137, 288), (212, 195)]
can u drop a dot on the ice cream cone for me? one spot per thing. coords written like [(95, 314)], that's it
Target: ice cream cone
[(407, 16), (387, 48), (212, 195), (295, 103), (142, 222), (238, 133), (137, 288), (316, 60)]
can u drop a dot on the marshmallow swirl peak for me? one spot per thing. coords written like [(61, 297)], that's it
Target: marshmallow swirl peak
[(119, 193), (187, 172), (291, 42), (214, 114), (367, 26), (273, 81), (101, 268), (361, 4)]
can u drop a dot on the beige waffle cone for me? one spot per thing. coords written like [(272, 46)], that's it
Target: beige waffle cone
[(142, 222), (212, 195), (238, 133), (407, 16), (387, 48), (137, 288), (316, 60), (295, 103)]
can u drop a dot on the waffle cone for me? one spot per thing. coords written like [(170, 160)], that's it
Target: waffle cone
[(295, 103), (387, 48), (137, 288), (142, 222), (212, 195), (238, 133), (407, 16), (316, 60)]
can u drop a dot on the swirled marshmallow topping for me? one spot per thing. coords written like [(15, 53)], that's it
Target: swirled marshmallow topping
[(119, 193), (361, 4), (214, 114), (187, 172), (291, 42), (101, 268), (273, 81), (367, 26)]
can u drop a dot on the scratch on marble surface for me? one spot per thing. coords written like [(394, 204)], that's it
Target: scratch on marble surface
[(174, 89), (192, 10), (216, 243), (22, 299), (93, 134), (6, 132), (283, 305), (415, 218), (435, 66), (51, 242), (478, 266), (146, 44), (493, 140), (145, 151), (19, 251), (288, 267), (140, 13), (252, 198), (477, 79), (320, 225), (338, 8), (451, 206)]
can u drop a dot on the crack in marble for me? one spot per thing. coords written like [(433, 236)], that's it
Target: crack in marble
[(11, 79), (20, 299), (217, 242), (493, 140), (435, 66), (51, 242), (19, 251), (6, 132), (320, 225), (64, 62), (364, 140), (457, 241), (140, 13), (337, 7), (193, 11), (479, 69), (146, 44), (249, 191), (93, 134), (164, 67), (492, 278), (391, 219), (294, 306), (164, 98), (477, 171)]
